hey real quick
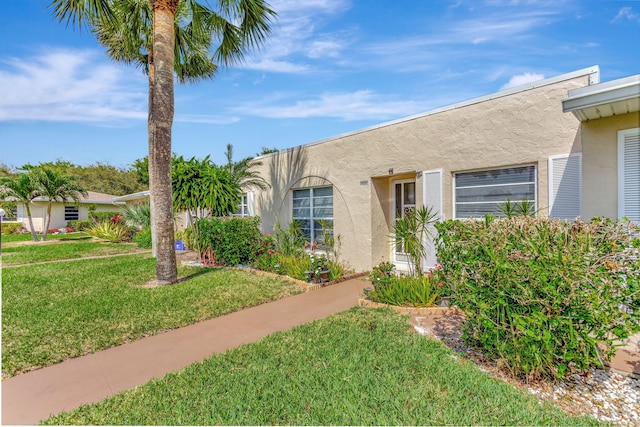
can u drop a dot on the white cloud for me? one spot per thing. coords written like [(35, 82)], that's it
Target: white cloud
[(358, 105), (522, 79), (626, 13), (69, 85), (296, 37)]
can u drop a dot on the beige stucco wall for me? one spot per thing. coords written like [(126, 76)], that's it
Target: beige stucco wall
[(600, 164), (520, 128), (39, 211)]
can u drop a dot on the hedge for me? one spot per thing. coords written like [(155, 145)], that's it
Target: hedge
[(543, 296)]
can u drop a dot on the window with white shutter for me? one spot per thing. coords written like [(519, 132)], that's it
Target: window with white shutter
[(565, 186), (629, 174)]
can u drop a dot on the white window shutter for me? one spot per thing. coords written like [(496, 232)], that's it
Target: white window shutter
[(432, 198), (565, 186), (629, 174), (20, 213), (250, 203)]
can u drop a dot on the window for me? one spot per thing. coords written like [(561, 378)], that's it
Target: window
[(484, 192), (629, 174), (243, 207), (71, 213), (313, 208)]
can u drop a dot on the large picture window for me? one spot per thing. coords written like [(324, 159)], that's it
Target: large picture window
[(313, 208), (484, 192)]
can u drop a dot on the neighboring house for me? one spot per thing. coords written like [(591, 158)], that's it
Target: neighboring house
[(245, 207), (465, 160), (610, 136), (62, 212)]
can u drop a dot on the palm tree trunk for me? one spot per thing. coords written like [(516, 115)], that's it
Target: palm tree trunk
[(161, 113), (47, 222), (152, 76), (33, 231)]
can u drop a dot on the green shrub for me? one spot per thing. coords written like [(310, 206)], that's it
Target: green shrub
[(80, 224), (11, 227), (109, 231), (267, 258), (310, 267), (382, 274), (336, 270), (103, 216), (295, 266), (290, 241), (234, 241), (544, 296), (143, 238), (413, 291)]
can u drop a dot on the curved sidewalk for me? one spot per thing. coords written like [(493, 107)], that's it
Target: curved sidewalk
[(32, 397)]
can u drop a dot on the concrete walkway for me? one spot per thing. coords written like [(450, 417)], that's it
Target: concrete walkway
[(34, 396)]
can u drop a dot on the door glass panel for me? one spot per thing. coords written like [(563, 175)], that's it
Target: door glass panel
[(405, 202), (410, 193), (398, 200)]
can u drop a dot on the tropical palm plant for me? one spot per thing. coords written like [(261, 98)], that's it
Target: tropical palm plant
[(137, 216), (235, 26), (55, 186), (242, 171), (411, 231), (24, 189)]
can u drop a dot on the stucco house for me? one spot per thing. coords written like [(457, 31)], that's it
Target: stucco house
[(568, 144), (62, 212)]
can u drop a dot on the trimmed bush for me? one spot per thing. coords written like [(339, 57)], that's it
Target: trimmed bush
[(234, 241), (544, 296), (80, 224), (11, 227)]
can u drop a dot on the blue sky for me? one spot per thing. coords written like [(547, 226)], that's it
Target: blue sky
[(330, 67)]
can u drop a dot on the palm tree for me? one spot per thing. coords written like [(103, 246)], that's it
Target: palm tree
[(241, 172), (237, 25), (22, 188), (56, 187)]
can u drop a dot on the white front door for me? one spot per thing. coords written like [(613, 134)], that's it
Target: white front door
[(404, 201)]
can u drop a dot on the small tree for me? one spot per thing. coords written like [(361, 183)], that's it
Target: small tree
[(202, 189), (22, 188), (56, 187)]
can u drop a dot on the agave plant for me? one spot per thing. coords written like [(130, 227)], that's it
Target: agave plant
[(109, 231)]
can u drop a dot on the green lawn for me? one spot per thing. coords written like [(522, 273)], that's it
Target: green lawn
[(360, 367), (51, 312), (38, 252), (25, 237)]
